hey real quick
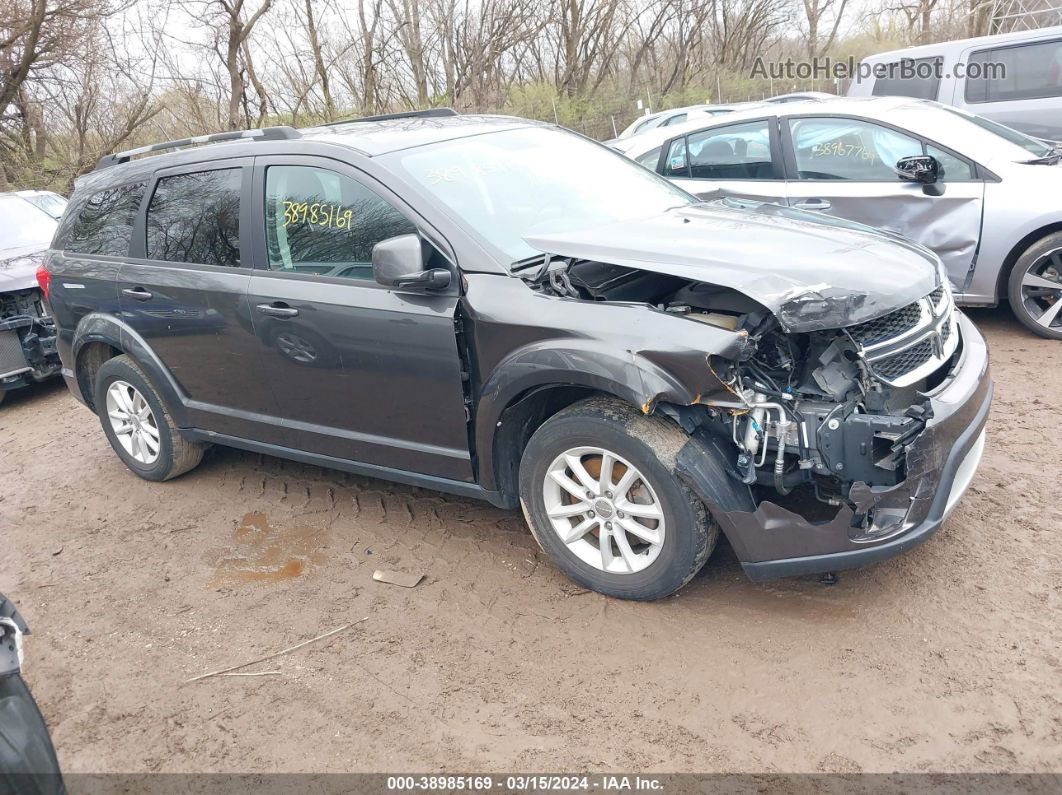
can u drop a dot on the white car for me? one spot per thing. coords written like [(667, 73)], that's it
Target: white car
[(667, 118), (982, 196)]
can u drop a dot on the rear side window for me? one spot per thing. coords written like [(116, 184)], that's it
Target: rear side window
[(196, 218), (909, 77), (650, 159), (1025, 71), (739, 151), (105, 223)]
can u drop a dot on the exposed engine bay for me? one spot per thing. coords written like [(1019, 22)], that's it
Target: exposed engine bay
[(818, 411), (27, 339)]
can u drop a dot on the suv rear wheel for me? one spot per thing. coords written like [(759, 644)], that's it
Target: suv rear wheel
[(1035, 288), (137, 424), (599, 492)]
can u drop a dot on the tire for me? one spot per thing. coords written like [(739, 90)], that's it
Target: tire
[(1029, 304), (647, 566), (173, 454), (28, 765), (3, 394)]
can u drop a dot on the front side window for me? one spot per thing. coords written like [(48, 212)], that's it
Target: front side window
[(1025, 71), (677, 119), (849, 149), (195, 218), (104, 224), (909, 77), (739, 151), (324, 223), (506, 186)]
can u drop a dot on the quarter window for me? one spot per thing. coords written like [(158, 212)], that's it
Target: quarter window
[(105, 223), (849, 149), (320, 222), (738, 151), (1025, 71), (910, 77), (196, 218), (650, 159), (955, 169)]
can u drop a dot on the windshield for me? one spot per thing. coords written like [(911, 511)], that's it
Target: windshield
[(508, 185), (22, 224), (1029, 144)]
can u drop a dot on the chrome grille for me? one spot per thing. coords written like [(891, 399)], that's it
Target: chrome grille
[(900, 364), (910, 343), (891, 325)]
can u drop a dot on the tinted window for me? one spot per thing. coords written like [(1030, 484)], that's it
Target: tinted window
[(678, 119), (849, 149), (1027, 71), (910, 77), (677, 164), (739, 151), (196, 218), (105, 223), (318, 221)]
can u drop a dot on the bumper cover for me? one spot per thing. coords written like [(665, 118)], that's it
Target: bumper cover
[(773, 542)]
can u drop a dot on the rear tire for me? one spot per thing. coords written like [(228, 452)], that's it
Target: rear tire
[(138, 425), (599, 492), (1033, 301)]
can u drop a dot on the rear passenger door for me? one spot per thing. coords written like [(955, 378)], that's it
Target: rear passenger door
[(360, 372), (184, 293), (740, 160)]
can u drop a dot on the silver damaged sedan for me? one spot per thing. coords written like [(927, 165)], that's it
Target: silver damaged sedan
[(987, 199)]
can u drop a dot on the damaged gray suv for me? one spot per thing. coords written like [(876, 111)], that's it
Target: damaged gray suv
[(501, 309)]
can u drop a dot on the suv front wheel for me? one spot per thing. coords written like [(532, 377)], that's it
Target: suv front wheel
[(599, 492), (137, 424)]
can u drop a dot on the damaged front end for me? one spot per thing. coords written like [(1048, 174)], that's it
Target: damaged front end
[(828, 443), (27, 339)]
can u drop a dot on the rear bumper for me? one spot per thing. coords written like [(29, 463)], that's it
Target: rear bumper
[(773, 542)]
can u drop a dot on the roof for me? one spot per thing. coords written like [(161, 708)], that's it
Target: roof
[(927, 50), (375, 138)]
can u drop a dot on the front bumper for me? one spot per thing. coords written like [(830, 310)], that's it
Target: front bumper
[(774, 542)]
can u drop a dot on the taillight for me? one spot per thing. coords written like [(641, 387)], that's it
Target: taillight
[(44, 279)]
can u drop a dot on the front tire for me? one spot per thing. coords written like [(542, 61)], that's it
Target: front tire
[(599, 491), (137, 424), (1035, 287)]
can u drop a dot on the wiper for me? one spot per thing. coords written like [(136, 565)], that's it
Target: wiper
[(1050, 159), (530, 262)]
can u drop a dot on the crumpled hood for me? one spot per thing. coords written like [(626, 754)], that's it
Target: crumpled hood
[(813, 272), (18, 267)]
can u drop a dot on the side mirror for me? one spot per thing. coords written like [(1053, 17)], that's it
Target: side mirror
[(923, 169), (400, 262)]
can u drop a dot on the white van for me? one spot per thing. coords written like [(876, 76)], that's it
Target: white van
[(1012, 78)]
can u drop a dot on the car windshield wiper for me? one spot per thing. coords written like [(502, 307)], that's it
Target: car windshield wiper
[(1050, 159)]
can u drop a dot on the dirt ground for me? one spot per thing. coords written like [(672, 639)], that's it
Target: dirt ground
[(947, 659)]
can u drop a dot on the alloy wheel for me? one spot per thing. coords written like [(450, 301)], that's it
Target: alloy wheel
[(1041, 290), (133, 422), (604, 510)]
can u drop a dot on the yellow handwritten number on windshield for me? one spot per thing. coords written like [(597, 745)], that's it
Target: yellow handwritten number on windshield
[(330, 216)]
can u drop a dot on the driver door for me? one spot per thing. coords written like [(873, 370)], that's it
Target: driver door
[(845, 167), (360, 372)]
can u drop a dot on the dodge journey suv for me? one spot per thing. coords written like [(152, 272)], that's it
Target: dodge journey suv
[(502, 309)]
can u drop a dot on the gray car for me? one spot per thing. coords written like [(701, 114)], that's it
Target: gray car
[(451, 302), (982, 196)]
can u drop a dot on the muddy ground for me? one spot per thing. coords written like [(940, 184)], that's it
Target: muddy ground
[(948, 659)]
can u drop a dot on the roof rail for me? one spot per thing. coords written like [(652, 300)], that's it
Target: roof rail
[(264, 134), (430, 113)]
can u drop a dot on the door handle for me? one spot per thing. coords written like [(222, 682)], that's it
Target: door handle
[(277, 309), (813, 204), (139, 293)]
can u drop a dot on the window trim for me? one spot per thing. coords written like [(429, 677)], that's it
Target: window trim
[(259, 248), (138, 250), (980, 174), (967, 83), (772, 133)]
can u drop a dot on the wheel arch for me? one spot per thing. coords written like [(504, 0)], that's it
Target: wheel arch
[(99, 338), (1017, 250)]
